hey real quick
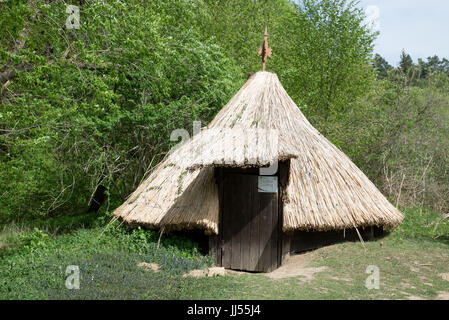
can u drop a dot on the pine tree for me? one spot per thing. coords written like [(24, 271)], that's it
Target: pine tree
[(406, 62), (381, 66)]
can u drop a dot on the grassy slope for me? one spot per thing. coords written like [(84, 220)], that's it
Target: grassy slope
[(410, 261)]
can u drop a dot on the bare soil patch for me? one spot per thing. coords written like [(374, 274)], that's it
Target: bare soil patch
[(296, 266), (149, 266), (415, 298), (443, 295), (209, 272)]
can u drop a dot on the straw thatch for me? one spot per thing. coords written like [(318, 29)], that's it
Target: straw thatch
[(259, 125), (237, 147)]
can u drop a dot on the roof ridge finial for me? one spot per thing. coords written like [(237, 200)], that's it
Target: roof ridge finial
[(264, 50)]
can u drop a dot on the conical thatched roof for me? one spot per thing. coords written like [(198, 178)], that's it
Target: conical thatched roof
[(325, 190)]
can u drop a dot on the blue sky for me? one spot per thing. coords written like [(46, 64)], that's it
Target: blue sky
[(420, 27)]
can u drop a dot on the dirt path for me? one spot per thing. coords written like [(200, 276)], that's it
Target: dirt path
[(296, 266)]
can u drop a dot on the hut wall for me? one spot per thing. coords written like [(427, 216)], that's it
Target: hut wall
[(300, 241)]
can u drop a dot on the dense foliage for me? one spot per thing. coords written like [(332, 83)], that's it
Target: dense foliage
[(399, 134), (95, 106), (98, 103)]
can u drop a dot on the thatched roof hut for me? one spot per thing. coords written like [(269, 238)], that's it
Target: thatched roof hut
[(212, 183), (324, 189)]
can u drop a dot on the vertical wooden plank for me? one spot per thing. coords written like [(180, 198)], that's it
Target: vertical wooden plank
[(285, 247), (274, 232), (265, 225), (283, 240), (254, 252), (227, 232), (242, 212), (219, 179), (236, 207), (213, 248), (246, 223), (268, 233), (280, 235)]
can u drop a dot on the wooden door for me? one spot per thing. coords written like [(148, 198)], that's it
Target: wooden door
[(249, 225)]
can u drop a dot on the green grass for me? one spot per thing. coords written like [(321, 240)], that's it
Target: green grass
[(107, 260), (33, 265)]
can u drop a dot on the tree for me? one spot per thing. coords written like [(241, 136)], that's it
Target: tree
[(96, 107), (326, 64), (405, 63), (238, 26), (445, 65), (434, 64), (423, 68), (381, 66)]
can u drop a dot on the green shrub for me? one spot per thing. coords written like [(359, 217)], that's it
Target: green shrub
[(34, 239), (423, 224)]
